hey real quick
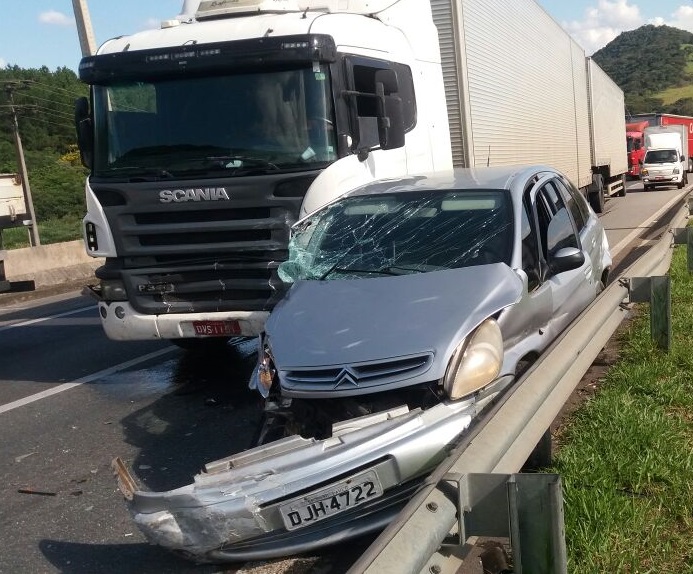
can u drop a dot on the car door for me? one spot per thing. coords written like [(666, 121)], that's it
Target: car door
[(573, 290)]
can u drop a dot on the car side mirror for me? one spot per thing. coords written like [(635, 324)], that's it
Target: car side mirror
[(566, 259)]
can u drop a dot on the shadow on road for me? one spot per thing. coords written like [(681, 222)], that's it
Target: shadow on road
[(75, 558), (209, 414)]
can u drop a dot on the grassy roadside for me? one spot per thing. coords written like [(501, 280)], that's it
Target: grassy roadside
[(626, 455)]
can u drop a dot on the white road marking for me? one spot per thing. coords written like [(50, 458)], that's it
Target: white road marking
[(67, 386), (42, 319)]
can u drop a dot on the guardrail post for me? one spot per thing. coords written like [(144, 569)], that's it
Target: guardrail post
[(656, 291), (526, 508), (684, 236)]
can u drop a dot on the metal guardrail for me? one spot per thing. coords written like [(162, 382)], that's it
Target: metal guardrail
[(504, 439)]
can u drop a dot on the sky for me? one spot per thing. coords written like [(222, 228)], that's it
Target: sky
[(36, 33)]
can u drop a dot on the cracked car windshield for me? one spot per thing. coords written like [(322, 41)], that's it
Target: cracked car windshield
[(401, 233), (240, 124)]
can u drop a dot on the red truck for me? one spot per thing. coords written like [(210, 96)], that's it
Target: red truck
[(635, 144), (657, 119)]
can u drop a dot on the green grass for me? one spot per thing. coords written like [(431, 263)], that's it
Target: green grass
[(627, 458), (671, 95), (51, 231)]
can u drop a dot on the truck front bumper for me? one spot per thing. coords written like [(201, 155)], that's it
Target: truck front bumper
[(285, 497), (121, 322)]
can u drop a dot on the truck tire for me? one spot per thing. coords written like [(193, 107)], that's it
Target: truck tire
[(597, 194), (623, 191), (680, 184), (646, 187)]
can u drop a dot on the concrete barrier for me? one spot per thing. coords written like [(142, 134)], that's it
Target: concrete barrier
[(49, 265)]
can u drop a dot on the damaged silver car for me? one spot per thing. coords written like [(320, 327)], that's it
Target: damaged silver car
[(413, 303)]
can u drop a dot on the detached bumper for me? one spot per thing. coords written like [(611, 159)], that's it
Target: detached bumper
[(236, 509)]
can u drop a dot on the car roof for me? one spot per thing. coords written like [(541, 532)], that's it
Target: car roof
[(499, 177)]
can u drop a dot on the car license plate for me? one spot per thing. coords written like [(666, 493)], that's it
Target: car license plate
[(331, 500), (214, 328)]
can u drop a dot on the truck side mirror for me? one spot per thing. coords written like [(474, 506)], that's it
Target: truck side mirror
[(390, 116), (85, 134), (682, 158)]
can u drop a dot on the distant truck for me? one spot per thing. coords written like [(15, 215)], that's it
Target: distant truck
[(660, 119), (635, 144), (13, 213), (666, 153), (208, 138)]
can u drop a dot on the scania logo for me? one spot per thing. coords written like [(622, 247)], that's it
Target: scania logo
[(193, 194), (345, 376)]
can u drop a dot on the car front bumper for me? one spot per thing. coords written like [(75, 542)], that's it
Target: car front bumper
[(231, 512)]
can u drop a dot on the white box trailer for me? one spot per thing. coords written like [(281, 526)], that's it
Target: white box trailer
[(607, 129), (519, 89), (510, 99)]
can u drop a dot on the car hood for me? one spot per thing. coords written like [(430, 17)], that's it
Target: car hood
[(352, 320)]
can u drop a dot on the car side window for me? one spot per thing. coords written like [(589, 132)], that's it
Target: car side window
[(576, 203), (556, 225)]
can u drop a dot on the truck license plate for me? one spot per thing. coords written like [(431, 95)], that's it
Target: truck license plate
[(331, 500), (214, 328)]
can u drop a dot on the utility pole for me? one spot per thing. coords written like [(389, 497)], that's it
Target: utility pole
[(84, 29), (10, 87)]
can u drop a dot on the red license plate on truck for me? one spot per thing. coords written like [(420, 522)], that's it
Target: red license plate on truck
[(215, 328)]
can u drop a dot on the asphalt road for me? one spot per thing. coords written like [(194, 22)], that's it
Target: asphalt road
[(71, 400)]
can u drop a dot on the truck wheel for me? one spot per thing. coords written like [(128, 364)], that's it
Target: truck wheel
[(680, 184), (646, 187), (623, 191), (597, 195)]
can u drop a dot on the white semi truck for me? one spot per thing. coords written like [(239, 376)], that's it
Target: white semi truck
[(207, 138)]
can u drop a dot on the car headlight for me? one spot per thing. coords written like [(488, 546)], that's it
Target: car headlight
[(264, 373), (476, 362)]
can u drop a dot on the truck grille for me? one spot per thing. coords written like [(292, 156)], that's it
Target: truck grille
[(202, 256)]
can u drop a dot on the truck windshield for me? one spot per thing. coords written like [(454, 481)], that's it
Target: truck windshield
[(661, 156), (197, 127)]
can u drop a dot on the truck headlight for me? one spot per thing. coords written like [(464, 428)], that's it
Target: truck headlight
[(644, 171), (113, 290), (676, 171), (476, 362)]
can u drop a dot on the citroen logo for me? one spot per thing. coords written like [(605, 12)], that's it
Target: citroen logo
[(346, 377)]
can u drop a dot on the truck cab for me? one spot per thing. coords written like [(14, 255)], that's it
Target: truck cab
[(665, 161), (663, 166)]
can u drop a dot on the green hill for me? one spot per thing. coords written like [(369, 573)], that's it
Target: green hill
[(653, 65)]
